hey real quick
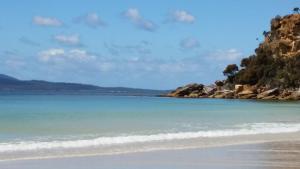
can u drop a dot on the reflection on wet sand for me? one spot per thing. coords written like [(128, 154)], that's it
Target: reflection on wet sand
[(276, 155)]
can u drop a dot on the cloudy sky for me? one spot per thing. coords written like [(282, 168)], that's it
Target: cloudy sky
[(133, 43)]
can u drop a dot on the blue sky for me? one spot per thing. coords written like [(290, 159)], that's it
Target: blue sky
[(132, 43)]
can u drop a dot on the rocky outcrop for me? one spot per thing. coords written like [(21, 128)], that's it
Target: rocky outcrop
[(284, 39), (245, 91), (276, 61), (191, 90), (272, 73), (240, 92), (290, 95), (272, 93)]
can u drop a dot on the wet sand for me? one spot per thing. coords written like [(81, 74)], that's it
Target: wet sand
[(272, 155)]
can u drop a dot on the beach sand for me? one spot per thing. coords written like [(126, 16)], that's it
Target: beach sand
[(271, 155)]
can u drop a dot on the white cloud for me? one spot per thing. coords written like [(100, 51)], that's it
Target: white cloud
[(47, 21), (226, 55), (189, 43), (92, 20), (67, 39), (87, 67), (183, 16), (134, 16), (81, 55), (50, 54), (60, 55)]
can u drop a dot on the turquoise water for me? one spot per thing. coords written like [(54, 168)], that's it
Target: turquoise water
[(30, 120)]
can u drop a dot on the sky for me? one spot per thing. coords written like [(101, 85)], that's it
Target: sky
[(131, 43)]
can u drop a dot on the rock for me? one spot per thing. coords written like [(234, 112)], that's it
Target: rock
[(267, 94), (209, 90), (229, 95), (193, 95), (289, 95), (226, 94), (247, 96), (185, 91), (211, 96), (238, 88), (245, 92), (283, 39), (251, 88), (284, 94), (272, 97), (287, 98), (220, 96), (295, 95)]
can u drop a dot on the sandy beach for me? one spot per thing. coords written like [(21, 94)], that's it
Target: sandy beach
[(271, 155)]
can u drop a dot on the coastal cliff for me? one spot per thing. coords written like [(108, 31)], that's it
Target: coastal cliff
[(273, 72)]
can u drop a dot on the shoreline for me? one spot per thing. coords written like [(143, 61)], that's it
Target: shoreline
[(252, 155), (174, 145), (245, 92)]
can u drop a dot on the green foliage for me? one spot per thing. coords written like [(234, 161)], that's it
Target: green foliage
[(230, 71), (219, 83), (264, 69), (266, 34), (296, 10), (246, 61), (275, 63)]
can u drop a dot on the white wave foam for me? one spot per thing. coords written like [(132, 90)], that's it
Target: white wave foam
[(247, 129)]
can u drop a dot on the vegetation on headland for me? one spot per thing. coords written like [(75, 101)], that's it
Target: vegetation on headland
[(273, 72), (276, 62)]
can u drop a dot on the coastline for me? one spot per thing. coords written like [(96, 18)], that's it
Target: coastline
[(246, 124), (274, 155), (174, 145), (249, 92)]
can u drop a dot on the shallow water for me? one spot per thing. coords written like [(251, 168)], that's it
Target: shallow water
[(45, 122)]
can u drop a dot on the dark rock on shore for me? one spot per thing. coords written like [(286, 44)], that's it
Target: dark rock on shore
[(191, 90), (240, 92), (269, 94)]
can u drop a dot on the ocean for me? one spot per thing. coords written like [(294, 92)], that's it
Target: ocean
[(42, 126)]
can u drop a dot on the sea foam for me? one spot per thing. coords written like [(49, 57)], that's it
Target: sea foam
[(241, 130)]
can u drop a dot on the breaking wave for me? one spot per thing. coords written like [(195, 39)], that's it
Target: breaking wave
[(241, 130)]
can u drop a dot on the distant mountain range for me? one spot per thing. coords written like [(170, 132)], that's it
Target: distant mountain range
[(11, 85)]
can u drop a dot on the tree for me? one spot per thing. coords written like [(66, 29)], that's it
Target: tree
[(219, 83), (231, 70), (245, 62), (296, 10), (265, 33), (277, 17)]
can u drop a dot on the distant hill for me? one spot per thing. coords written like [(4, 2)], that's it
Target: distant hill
[(11, 85)]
